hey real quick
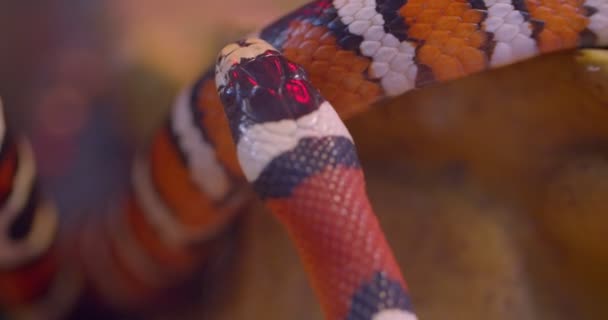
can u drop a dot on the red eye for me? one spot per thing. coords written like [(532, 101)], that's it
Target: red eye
[(297, 90)]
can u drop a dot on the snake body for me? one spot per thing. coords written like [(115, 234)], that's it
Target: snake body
[(301, 160), (33, 280), (28, 226), (277, 126)]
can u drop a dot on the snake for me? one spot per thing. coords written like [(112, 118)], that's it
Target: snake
[(267, 121)]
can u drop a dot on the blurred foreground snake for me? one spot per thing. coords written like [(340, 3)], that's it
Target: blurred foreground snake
[(269, 116)]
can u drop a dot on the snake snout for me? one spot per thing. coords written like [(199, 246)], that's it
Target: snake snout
[(234, 53)]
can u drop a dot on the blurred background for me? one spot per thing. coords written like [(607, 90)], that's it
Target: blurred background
[(493, 190), (78, 70)]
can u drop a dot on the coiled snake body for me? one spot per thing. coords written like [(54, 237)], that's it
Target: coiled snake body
[(276, 125)]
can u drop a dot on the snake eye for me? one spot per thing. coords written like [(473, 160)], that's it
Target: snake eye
[(228, 95)]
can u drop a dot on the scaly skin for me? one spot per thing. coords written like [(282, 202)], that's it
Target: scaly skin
[(188, 185), (301, 160)]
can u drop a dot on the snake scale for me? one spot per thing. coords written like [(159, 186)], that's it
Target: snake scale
[(274, 129)]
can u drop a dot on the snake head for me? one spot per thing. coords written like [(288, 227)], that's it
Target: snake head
[(258, 84)]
